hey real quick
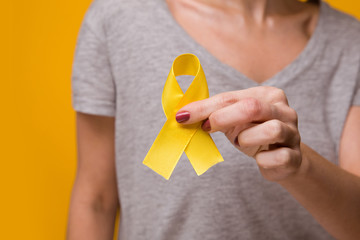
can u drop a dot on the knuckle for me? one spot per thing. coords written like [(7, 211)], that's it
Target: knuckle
[(273, 94), (275, 130), (290, 159), (293, 116), (278, 94), (283, 157), (251, 107)]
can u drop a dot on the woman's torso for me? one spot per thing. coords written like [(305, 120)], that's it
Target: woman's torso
[(231, 200)]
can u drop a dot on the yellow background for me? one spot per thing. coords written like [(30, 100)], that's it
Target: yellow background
[(38, 148)]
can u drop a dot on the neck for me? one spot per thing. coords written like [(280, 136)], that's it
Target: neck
[(259, 10)]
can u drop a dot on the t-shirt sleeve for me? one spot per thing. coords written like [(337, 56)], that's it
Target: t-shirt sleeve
[(92, 83), (356, 100)]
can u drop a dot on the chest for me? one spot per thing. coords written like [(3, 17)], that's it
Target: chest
[(258, 52)]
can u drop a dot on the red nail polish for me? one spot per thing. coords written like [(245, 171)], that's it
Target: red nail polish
[(206, 125), (182, 117), (236, 141)]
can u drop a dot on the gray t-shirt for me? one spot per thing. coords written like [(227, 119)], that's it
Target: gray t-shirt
[(124, 53)]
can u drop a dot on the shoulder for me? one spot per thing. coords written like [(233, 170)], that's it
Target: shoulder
[(100, 10), (104, 10), (342, 29), (102, 14)]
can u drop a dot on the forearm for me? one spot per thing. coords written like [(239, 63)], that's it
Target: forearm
[(90, 219), (329, 193)]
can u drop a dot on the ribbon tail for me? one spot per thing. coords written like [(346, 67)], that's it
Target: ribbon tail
[(202, 152), (168, 148)]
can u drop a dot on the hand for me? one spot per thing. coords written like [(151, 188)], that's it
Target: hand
[(258, 121)]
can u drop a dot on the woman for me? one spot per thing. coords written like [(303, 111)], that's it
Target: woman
[(284, 80)]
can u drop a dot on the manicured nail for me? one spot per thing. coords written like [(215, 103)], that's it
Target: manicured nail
[(206, 126), (182, 117), (236, 141)]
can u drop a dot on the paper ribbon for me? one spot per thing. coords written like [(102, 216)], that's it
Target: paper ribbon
[(175, 138)]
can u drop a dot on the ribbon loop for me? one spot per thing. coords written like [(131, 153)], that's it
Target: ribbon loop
[(175, 138)]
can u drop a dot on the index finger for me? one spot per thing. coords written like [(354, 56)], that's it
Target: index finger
[(201, 110)]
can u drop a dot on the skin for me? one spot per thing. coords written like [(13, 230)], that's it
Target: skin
[(258, 32), (94, 199), (266, 129), (248, 34)]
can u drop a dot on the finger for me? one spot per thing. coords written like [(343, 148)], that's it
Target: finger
[(201, 110), (246, 111), (268, 133), (279, 163)]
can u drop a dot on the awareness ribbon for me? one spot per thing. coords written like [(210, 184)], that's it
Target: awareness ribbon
[(175, 138)]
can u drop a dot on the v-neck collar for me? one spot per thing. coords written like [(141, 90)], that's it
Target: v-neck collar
[(294, 68)]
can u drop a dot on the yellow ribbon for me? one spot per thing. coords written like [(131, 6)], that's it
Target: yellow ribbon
[(175, 138)]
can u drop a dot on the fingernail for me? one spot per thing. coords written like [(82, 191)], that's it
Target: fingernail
[(236, 141), (206, 126), (182, 116)]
